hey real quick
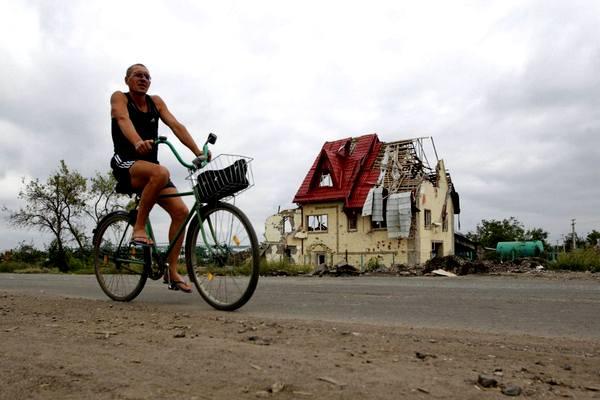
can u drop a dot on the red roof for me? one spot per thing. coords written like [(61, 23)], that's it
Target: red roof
[(349, 162)]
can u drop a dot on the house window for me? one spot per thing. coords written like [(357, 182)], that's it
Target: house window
[(380, 210), (352, 221), (427, 216), (317, 223), (326, 180), (287, 225), (378, 224), (445, 222)]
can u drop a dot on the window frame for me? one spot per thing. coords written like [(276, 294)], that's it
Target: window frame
[(427, 219), (326, 179), (318, 218)]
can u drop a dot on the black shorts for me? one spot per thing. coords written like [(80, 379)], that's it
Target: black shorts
[(120, 170)]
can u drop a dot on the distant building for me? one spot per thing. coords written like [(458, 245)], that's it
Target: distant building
[(366, 202)]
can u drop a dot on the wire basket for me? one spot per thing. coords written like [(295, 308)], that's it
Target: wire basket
[(224, 176)]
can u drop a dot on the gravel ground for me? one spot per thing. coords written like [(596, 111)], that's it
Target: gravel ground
[(65, 348)]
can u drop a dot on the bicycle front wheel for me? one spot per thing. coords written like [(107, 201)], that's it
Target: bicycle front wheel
[(221, 256), (119, 266)]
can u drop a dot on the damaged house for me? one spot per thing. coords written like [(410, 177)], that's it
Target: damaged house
[(365, 203)]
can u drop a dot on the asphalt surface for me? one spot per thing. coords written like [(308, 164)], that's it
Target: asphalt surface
[(496, 304)]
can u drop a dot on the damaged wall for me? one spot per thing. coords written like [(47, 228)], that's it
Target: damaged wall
[(280, 230), (436, 234)]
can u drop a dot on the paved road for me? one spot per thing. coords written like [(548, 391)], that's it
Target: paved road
[(535, 306)]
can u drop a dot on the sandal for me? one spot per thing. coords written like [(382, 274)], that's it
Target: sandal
[(178, 285), (141, 241)]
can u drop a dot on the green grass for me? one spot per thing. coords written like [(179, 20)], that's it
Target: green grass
[(579, 260), (283, 268), (20, 267)]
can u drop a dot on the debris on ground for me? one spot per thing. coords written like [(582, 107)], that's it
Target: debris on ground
[(456, 265), (462, 266), (486, 381), (511, 390), (441, 272), (342, 269), (443, 266)]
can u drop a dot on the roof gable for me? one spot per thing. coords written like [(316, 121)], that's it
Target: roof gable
[(349, 162)]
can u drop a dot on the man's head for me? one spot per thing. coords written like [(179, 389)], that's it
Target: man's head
[(138, 78)]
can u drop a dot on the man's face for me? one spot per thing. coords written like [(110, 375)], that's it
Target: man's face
[(139, 80)]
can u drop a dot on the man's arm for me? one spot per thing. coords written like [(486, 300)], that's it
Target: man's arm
[(177, 127), (118, 110)]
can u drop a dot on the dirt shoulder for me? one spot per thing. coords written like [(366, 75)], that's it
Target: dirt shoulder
[(63, 348)]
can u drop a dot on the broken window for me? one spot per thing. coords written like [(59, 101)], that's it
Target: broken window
[(287, 225), (326, 180), (317, 223), (445, 222), (427, 216), (378, 224), (378, 217), (352, 221)]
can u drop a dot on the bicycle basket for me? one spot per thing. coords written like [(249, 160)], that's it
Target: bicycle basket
[(224, 176)]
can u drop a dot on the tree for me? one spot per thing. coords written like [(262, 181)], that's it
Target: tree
[(489, 232), (102, 198), (538, 234), (54, 207), (593, 238)]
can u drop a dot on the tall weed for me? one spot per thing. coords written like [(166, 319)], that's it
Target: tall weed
[(579, 260)]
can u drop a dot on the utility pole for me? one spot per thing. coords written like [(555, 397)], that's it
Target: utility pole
[(573, 233)]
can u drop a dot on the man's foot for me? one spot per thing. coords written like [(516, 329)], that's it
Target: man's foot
[(180, 285), (141, 241), (177, 283)]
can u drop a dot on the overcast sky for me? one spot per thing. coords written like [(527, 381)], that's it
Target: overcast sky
[(509, 90)]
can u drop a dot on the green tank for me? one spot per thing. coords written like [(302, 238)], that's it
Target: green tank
[(512, 250)]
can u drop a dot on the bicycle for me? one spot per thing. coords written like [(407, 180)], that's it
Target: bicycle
[(221, 248)]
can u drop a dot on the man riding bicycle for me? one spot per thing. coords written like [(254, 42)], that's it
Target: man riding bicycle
[(135, 165)]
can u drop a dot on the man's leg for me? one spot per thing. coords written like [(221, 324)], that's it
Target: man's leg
[(178, 212), (151, 179)]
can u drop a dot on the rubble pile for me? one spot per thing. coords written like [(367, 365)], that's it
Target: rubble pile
[(341, 269), (457, 265), (446, 266), (461, 266), (520, 265)]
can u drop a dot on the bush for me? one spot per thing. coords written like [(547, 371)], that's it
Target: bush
[(283, 268), (579, 260), (80, 265), (26, 253), (373, 264), (12, 266)]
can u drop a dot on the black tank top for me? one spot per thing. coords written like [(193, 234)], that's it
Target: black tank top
[(146, 125)]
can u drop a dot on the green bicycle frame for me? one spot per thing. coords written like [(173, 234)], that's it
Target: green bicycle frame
[(194, 210)]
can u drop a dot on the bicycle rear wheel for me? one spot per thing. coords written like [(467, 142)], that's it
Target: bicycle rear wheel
[(119, 266), (222, 257)]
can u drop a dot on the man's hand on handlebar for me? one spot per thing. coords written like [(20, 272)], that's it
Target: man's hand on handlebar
[(198, 161), (144, 146)]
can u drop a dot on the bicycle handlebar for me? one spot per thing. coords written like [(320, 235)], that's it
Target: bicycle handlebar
[(197, 162)]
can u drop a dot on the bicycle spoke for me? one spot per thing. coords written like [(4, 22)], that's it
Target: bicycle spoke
[(222, 256), (119, 266)]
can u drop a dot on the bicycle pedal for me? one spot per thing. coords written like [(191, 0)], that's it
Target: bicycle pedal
[(172, 286)]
